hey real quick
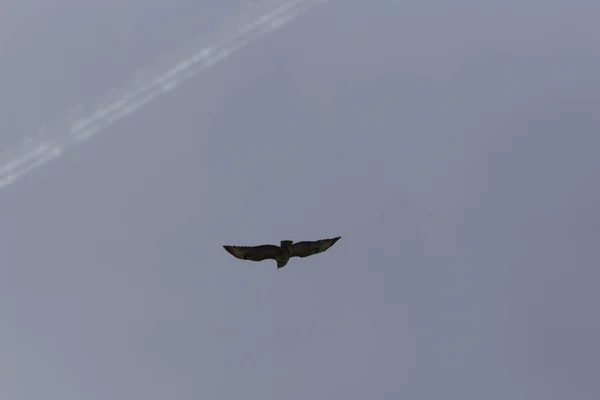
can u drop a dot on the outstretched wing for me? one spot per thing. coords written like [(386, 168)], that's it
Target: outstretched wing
[(305, 249), (253, 253)]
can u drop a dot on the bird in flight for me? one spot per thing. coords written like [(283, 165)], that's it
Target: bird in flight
[(282, 253)]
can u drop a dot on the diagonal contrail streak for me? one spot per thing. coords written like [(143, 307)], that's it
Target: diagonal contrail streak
[(21, 160)]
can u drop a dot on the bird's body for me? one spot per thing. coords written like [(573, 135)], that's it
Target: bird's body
[(282, 253)]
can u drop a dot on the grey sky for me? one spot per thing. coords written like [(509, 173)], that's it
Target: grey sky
[(453, 146)]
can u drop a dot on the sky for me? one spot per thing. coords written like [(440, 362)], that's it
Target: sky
[(453, 146)]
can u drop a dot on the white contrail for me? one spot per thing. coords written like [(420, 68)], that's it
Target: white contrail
[(266, 17)]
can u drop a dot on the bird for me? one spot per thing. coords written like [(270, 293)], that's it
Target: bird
[(282, 253)]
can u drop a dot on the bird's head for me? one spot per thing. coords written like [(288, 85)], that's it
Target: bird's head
[(286, 244)]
